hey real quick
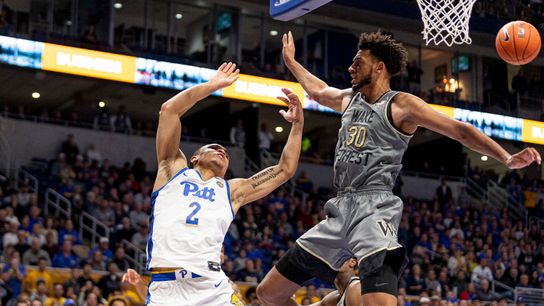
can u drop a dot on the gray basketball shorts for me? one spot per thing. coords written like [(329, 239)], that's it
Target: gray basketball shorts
[(358, 224)]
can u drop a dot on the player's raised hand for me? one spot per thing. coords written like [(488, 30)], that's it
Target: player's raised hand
[(294, 113), (225, 76), (524, 158), (132, 277), (288, 50)]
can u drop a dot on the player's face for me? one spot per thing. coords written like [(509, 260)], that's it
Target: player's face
[(214, 155), (361, 70)]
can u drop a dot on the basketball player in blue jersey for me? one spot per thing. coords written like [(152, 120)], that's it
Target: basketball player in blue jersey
[(362, 221), (193, 206)]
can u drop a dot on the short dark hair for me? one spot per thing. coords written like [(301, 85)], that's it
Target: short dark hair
[(386, 49)]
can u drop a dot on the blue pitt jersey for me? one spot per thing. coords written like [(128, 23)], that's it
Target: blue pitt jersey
[(188, 222)]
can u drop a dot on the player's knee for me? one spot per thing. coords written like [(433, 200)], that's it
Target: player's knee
[(265, 295)]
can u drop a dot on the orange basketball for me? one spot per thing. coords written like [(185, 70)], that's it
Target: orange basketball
[(518, 42)]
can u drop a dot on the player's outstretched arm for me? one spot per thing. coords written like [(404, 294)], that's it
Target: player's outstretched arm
[(337, 99), (169, 130), (420, 114), (244, 191)]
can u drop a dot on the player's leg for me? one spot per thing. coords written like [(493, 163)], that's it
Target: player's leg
[(380, 288), (296, 267)]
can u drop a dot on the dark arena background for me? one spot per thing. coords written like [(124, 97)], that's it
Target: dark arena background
[(81, 87)]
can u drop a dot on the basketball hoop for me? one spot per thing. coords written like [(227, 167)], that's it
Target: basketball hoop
[(446, 21)]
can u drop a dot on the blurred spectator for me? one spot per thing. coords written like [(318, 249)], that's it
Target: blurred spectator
[(304, 183), (69, 233), (72, 284), (66, 258), (13, 274), (85, 275), (238, 134), (265, 138), (89, 36), (481, 271), (484, 294), (98, 261), (40, 293), (104, 213), (40, 274), (57, 296), (111, 281), (140, 238), (104, 248), (120, 121), (415, 284), (93, 154), (248, 274), (35, 253), (443, 193), (120, 258), (102, 120), (70, 149)]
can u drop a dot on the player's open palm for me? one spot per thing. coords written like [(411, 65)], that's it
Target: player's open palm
[(524, 158), (132, 277), (288, 50), (225, 76), (294, 112)]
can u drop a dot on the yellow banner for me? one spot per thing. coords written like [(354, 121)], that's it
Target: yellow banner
[(89, 63), (263, 90), (532, 131), (446, 110)]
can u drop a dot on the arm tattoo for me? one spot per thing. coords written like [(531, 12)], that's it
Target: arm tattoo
[(264, 177)]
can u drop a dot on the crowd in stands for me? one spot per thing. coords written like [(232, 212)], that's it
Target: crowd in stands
[(456, 250)]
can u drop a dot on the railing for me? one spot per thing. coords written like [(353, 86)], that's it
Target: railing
[(496, 284), (476, 192), (61, 205), (135, 256), (5, 149), (25, 176), (498, 196), (433, 176), (529, 296), (89, 227)]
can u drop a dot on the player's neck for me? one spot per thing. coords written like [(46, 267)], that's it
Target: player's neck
[(374, 91), (205, 173)]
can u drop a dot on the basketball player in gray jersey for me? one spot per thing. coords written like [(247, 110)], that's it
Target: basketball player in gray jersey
[(362, 221)]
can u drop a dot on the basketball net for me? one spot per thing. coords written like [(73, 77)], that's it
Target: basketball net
[(446, 21)]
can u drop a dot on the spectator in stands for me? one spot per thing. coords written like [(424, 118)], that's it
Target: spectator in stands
[(139, 239), (72, 282), (238, 134), (304, 183), (104, 213), (89, 36), (431, 283), (120, 122), (41, 273), (93, 154), (137, 215), (10, 237), (248, 274), (104, 247), (481, 271), (102, 120), (35, 253), (70, 149), (68, 232), (98, 261), (41, 293), (13, 274), (85, 275), (484, 294), (58, 296), (265, 138), (415, 284), (124, 230), (120, 258), (443, 193), (66, 258), (111, 281)]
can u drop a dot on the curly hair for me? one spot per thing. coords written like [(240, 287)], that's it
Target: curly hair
[(386, 49)]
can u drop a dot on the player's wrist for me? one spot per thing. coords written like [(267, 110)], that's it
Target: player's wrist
[(508, 159)]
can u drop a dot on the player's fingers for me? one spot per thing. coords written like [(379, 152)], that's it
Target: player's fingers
[(290, 37), (226, 68), (536, 155), (284, 39), (283, 99), (232, 68), (283, 113), (222, 66)]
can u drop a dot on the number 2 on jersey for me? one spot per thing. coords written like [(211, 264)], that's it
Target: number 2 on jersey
[(191, 217), (357, 136)]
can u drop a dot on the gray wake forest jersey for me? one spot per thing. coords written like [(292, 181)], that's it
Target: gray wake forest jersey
[(369, 149)]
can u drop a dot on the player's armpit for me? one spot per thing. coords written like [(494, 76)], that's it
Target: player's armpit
[(244, 191), (334, 98)]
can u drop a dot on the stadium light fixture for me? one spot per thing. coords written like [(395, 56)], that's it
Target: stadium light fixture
[(279, 129), (36, 95), (118, 5), (273, 33), (484, 158), (101, 104), (179, 16)]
